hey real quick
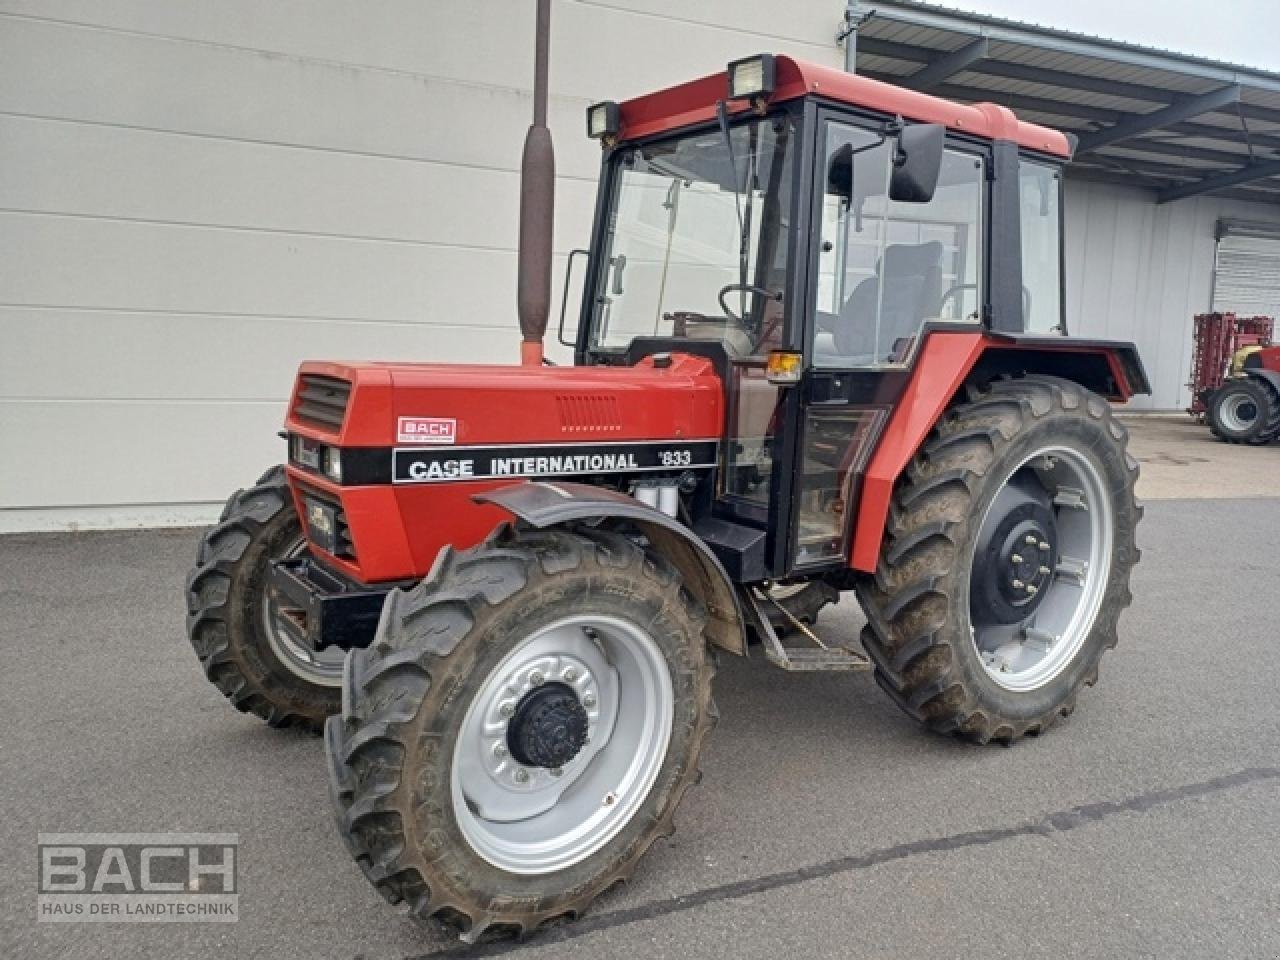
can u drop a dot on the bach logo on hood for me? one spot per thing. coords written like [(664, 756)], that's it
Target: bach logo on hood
[(426, 430)]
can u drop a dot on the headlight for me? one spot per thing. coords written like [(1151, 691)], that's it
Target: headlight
[(322, 525), (332, 464), (752, 77)]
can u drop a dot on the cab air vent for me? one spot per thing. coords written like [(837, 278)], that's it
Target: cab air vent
[(322, 401)]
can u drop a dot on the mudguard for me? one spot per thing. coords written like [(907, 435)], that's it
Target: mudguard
[(1270, 376), (548, 504)]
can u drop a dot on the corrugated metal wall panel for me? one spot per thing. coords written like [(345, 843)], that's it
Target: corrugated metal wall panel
[(1139, 271)]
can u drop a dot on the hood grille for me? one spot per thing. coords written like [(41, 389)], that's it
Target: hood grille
[(322, 401)]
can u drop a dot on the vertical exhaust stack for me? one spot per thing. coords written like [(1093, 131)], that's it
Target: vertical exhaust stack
[(537, 207)]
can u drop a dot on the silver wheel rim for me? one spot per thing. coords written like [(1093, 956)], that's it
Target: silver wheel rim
[(1238, 412), (532, 820), (1026, 656), (322, 668)]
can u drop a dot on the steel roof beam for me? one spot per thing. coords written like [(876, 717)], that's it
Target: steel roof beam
[(947, 66), (1219, 181), (1181, 109)]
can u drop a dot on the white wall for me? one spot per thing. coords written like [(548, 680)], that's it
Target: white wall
[(195, 196), (1140, 271)]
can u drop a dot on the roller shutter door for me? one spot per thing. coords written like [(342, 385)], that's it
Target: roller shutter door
[(1247, 273)]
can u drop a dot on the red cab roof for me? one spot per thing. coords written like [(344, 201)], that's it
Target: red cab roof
[(695, 102)]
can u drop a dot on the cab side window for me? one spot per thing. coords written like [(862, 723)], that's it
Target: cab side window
[(887, 268)]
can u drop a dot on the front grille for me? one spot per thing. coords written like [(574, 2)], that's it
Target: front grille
[(344, 546), (322, 401)]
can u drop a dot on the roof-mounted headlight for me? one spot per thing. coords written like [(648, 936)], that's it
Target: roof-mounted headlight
[(752, 77), (603, 121)]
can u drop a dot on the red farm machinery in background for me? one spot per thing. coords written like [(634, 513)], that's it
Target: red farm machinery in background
[(1235, 377)]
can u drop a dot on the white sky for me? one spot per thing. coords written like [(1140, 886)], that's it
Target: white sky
[(1239, 31)]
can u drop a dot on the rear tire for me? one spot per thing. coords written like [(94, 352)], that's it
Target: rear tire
[(947, 648), (451, 823), (228, 612), (1244, 410)]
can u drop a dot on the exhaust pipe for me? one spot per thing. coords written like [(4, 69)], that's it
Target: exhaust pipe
[(537, 207)]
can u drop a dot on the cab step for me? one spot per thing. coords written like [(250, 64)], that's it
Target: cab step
[(821, 656)]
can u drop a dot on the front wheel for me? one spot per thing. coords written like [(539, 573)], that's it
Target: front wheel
[(1007, 561), (234, 624), (522, 728)]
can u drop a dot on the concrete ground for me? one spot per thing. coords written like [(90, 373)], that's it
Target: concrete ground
[(828, 825)]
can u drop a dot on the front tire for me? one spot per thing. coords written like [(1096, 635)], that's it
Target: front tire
[(522, 728), (1007, 560), (231, 620)]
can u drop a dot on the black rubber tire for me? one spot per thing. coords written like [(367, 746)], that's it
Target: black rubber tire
[(804, 605), (390, 754), (917, 605), (1263, 429), (224, 615)]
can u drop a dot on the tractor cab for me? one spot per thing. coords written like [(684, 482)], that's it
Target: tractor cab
[(809, 230)]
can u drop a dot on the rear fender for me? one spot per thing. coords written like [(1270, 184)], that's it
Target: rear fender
[(542, 504), (947, 361), (1270, 376)]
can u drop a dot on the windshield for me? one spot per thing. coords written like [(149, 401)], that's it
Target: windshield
[(689, 256)]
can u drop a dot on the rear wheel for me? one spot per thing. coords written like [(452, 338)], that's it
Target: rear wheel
[(234, 624), (522, 728), (1245, 410), (1007, 561)]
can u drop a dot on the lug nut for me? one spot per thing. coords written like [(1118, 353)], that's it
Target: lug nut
[(1016, 558), (1044, 545), (499, 751), (1032, 589), (589, 700), (1031, 538), (522, 775), (570, 675), (1018, 584), (507, 709), (537, 679), (1045, 571)]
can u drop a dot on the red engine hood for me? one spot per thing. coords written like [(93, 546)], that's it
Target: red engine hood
[(514, 404)]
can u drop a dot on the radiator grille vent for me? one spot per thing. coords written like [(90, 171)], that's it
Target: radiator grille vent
[(585, 413), (322, 401)]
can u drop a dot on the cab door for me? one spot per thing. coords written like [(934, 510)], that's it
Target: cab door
[(882, 275)]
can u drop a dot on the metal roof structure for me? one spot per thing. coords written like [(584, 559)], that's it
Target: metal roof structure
[(1176, 124)]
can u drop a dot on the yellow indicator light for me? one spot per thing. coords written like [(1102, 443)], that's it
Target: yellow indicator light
[(783, 367)]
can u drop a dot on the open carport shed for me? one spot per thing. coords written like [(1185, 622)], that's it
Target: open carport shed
[(1173, 196)]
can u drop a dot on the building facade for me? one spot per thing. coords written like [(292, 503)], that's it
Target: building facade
[(196, 197)]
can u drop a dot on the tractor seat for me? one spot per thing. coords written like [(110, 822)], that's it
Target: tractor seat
[(911, 277)]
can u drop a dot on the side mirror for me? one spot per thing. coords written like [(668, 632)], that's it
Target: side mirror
[(840, 173), (917, 163)]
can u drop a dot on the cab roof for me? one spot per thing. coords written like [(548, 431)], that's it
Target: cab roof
[(695, 102)]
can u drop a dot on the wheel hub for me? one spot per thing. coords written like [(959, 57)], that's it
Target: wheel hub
[(1017, 553), (548, 728)]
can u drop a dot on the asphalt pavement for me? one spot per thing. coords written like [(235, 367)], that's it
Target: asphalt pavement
[(828, 824)]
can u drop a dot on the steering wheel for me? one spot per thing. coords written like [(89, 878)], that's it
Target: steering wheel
[(747, 287), (952, 291)]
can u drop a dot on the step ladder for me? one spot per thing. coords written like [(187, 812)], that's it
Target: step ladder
[(821, 656)]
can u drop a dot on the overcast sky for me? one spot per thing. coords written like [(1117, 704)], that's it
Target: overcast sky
[(1241, 31)]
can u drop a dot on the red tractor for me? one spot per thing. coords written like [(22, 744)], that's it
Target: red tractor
[(1246, 408), (821, 350)]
